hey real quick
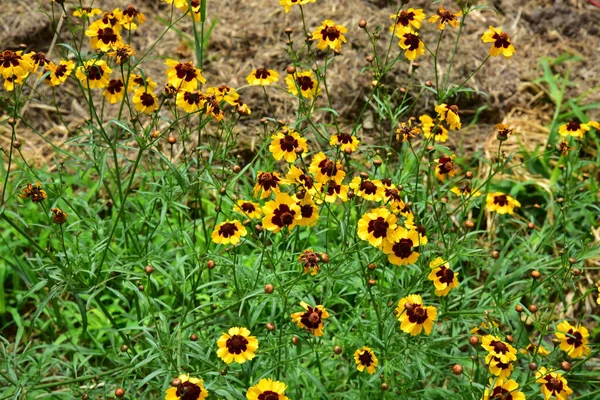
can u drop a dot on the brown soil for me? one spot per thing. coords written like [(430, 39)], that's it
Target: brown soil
[(250, 34)]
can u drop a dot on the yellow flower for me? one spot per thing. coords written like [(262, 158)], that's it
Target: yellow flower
[(303, 83), (38, 59), (242, 107), (465, 190), (262, 77), (189, 388), (237, 346), (35, 193), (329, 35), (371, 190), (497, 348), (503, 389), (573, 128), (401, 250), (267, 183), (145, 101), (190, 101), (104, 38), (59, 73), (445, 167), (14, 63), (310, 261), (365, 360), (308, 211), (138, 81), (405, 132), (281, 212), (224, 93), (94, 74), (414, 317), (443, 278), (10, 81), (122, 54), (285, 143), (573, 339), (535, 349), (297, 176), (228, 232), (501, 203), (501, 42), (130, 15), (267, 389), (181, 4), (214, 109), (346, 142), (248, 208), (115, 91), (311, 319), (109, 20), (553, 384), (411, 44), (498, 368), (183, 76), (407, 20), (378, 226), (324, 169), (428, 126), (332, 189), (86, 12), (444, 16), (449, 114), (287, 4)]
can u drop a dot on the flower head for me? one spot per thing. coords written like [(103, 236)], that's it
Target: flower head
[(303, 83), (365, 360), (86, 12), (267, 389), (497, 348), (224, 93), (444, 17), (449, 114), (281, 212), (310, 261), (122, 54), (14, 63), (443, 278), (414, 317), (412, 45), (503, 389), (104, 38), (237, 346), (34, 192), (308, 211), (267, 183), (288, 4), (228, 232), (573, 339), (378, 226), (553, 384), (311, 318), (189, 388), (190, 101), (329, 35), (368, 189), (402, 249), (249, 209), (130, 16), (431, 129), (405, 132), (346, 142), (501, 43), (499, 368), (445, 167), (465, 190), (324, 169), (59, 216), (262, 77), (287, 144), (501, 203), (115, 91), (145, 100), (407, 20), (183, 75), (59, 73), (94, 74), (573, 128)]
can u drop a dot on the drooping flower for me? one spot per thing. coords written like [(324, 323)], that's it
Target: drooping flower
[(573, 339), (402, 249), (573, 128), (34, 192), (224, 93), (329, 35), (553, 384), (346, 142), (503, 389), (310, 261), (267, 389), (249, 209), (414, 317), (281, 212), (407, 20), (228, 232), (444, 17), (189, 388), (122, 54), (501, 43), (237, 346), (378, 226), (501, 203), (365, 360), (183, 76), (59, 216), (286, 143), (443, 278), (445, 167), (303, 83), (214, 109), (431, 129), (262, 77), (130, 15), (94, 74), (267, 183), (449, 114), (412, 45), (497, 348), (311, 318)]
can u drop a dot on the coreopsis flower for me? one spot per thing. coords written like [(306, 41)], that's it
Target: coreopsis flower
[(139, 81), (465, 190), (449, 114), (267, 389), (15, 64), (444, 17), (402, 249), (564, 148), (498, 368), (378, 226), (267, 183), (115, 91), (308, 211), (242, 107), (248, 209), (104, 38), (144, 100), (297, 176), (497, 348), (94, 74), (109, 20), (365, 360), (535, 349), (311, 318), (224, 93), (332, 189), (405, 131), (443, 278), (288, 4), (181, 4), (412, 45), (130, 15), (415, 317), (407, 20), (501, 203), (190, 101), (262, 77), (501, 43), (10, 81), (287, 144), (503, 389), (86, 12), (573, 128), (445, 167), (573, 339), (237, 346), (553, 384), (325, 169), (34, 192), (504, 131), (183, 76), (38, 59), (303, 83), (214, 109), (329, 35), (228, 232), (282, 212), (59, 73), (189, 388), (310, 261), (431, 129), (59, 216), (122, 54), (594, 124), (368, 189), (346, 142)]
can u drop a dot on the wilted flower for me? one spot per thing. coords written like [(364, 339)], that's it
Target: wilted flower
[(449, 114), (35, 193)]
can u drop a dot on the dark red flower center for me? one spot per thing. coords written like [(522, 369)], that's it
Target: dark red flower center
[(147, 99), (412, 41), (345, 138), (368, 187), (499, 347), (305, 83), (107, 35), (115, 86), (288, 143), (501, 40), (186, 71), (248, 208), (262, 73), (378, 227), (267, 180), (228, 229), (365, 358), (403, 249), (417, 315), (283, 216), (445, 275), (9, 58), (328, 167), (61, 70), (95, 72), (188, 391), (311, 318), (330, 33), (501, 200), (236, 344), (574, 338), (500, 393), (192, 97), (268, 395), (573, 126), (306, 211), (405, 17)]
